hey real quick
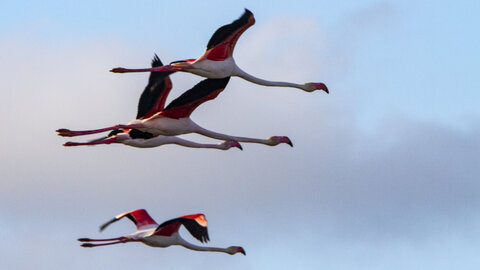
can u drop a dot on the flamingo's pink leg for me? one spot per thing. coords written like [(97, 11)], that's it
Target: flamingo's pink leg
[(122, 238), (162, 68), (71, 133), (95, 142), (119, 240), (98, 245)]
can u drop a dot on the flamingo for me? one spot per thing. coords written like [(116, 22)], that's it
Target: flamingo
[(163, 235), (131, 138), (151, 101), (217, 61), (154, 120)]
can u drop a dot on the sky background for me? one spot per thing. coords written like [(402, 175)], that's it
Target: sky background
[(384, 173)]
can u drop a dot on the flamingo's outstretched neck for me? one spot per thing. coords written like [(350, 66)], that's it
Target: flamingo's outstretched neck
[(230, 250), (271, 141), (161, 140), (309, 87)]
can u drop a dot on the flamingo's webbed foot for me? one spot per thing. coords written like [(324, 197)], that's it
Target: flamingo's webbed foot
[(83, 239), (71, 144), (118, 70), (66, 132)]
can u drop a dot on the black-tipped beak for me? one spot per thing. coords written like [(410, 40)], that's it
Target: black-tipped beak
[(83, 239), (239, 146), (323, 87), (290, 143)]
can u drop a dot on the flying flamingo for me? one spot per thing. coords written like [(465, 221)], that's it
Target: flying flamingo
[(217, 61), (152, 101), (137, 138), (153, 120), (163, 235)]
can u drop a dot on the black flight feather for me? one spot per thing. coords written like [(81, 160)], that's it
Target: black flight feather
[(223, 32), (195, 229), (154, 90), (198, 92), (117, 219)]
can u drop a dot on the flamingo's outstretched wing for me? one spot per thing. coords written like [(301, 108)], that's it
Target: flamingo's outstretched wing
[(221, 44), (196, 224), (185, 104), (155, 94), (140, 217)]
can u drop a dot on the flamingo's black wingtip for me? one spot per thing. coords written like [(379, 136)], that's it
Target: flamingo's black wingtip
[(156, 62)]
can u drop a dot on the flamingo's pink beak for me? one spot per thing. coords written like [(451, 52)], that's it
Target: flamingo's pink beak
[(241, 250), (236, 144), (321, 86), (286, 140)]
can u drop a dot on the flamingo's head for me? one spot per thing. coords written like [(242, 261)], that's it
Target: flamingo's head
[(234, 249), (274, 140), (310, 87), (229, 144)]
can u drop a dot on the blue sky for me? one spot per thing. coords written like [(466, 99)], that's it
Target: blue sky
[(384, 172)]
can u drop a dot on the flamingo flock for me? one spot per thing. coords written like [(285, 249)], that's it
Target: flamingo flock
[(157, 124)]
